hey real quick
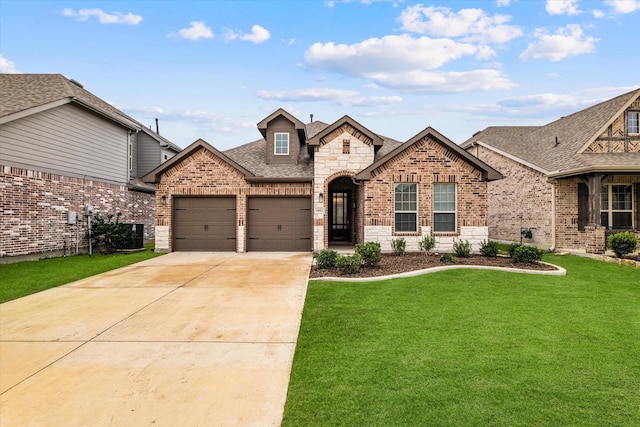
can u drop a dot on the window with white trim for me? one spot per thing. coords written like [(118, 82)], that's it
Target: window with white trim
[(281, 144), (633, 125), (616, 209), (444, 208), (406, 208)]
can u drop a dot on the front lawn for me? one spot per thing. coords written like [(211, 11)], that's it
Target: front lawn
[(28, 277), (474, 347)]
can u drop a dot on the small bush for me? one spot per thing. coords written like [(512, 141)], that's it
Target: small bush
[(489, 248), (348, 264), (527, 254), (512, 248), (462, 248), (623, 243), (447, 259), (109, 234), (399, 246), (326, 258), (427, 244), (370, 253)]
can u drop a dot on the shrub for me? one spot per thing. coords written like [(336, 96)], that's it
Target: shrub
[(623, 243), (326, 258), (513, 247), (462, 248), (348, 264), (109, 234), (489, 248), (370, 253), (398, 245), (527, 254), (447, 259), (427, 244)]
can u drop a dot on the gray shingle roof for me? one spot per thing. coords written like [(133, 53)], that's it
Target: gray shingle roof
[(537, 144), (252, 157)]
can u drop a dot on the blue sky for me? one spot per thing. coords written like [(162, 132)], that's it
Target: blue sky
[(213, 69)]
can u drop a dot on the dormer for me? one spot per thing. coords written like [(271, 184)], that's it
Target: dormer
[(284, 135)]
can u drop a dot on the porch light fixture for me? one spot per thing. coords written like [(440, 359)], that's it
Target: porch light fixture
[(163, 200), (321, 197)]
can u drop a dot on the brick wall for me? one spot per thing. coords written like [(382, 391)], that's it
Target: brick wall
[(35, 205), (202, 173), (425, 163), (522, 199)]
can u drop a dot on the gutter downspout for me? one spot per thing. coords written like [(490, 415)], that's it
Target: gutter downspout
[(553, 216)]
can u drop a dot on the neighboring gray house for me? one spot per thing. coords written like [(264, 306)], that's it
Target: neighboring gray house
[(570, 183), (62, 149)]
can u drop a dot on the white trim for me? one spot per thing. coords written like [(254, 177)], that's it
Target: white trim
[(455, 211), (415, 212), (610, 209)]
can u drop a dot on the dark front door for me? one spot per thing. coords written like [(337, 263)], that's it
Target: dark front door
[(340, 217)]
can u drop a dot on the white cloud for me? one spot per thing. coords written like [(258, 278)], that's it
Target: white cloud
[(341, 97), (598, 13), (7, 67), (624, 6), (197, 30), (444, 82), (469, 24), (103, 17), (387, 54), (258, 35), (567, 41), (503, 3), (562, 7)]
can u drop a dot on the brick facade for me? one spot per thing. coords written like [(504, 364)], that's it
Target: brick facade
[(521, 200), (203, 173), (35, 206), (426, 162)]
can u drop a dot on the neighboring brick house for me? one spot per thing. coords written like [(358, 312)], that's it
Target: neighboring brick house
[(61, 149), (570, 182), (308, 187)]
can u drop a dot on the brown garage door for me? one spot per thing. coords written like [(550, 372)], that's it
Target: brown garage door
[(204, 224), (279, 224)]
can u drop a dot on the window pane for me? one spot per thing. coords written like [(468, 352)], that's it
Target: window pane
[(604, 219), (621, 220), (604, 198), (444, 197), (406, 197), (632, 123), (444, 222), (405, 222), (621, 197), (282, 143)]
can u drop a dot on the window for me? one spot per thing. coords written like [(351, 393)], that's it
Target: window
[(406, 208), (632, 122), (616, 209), (444, 208), (281, 144)]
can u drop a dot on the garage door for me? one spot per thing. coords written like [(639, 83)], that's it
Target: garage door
[(279, 224), (204, 224)]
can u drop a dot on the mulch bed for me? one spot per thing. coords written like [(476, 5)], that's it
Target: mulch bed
[(392, 264)]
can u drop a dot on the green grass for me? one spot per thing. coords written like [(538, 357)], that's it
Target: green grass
[(28, 277), (467, 347)]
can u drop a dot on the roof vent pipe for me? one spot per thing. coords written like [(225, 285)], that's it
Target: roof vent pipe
[(311, 116), (557, 143), (158, 127)]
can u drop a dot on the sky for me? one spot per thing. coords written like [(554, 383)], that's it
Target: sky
[(214, 69)]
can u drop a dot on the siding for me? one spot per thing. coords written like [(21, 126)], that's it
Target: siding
[(282, 125), (67, 140), (148, 154)]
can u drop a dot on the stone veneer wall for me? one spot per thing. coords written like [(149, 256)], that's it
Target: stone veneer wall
[(522, 199), (425, 163), (330, 163), (205, 174), (35, 206)]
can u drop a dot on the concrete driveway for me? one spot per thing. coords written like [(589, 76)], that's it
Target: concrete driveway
[(186, 339)]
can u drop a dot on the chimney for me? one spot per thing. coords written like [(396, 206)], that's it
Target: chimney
[(311, 116), (157, 127)]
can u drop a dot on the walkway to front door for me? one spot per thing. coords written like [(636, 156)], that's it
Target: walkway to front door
[(188, 338)]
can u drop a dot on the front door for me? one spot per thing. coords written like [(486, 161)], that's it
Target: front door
[(340, 217)]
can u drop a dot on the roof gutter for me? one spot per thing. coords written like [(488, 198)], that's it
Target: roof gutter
[(591, 169), (267, 180)]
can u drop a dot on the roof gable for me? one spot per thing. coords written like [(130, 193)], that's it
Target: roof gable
[(154, 175), (488, 172), (264, 123), (346, 124)]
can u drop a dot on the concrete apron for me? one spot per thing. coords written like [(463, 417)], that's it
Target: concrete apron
[(194, 339)]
